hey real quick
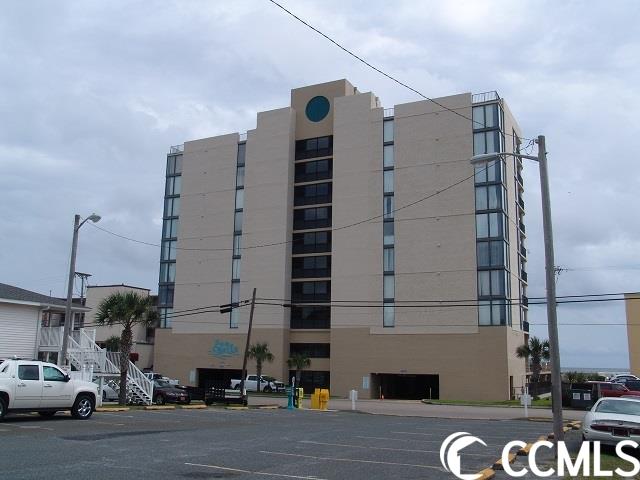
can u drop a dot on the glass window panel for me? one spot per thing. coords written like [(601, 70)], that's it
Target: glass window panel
[(490, 142), (321, 262), (497, 253), (492, 174), (497, 313), (388, 233), (483, 254), (234, 317), (237, 244), (389, 315), (484, 312), (171, 165), (235, 269), (478, 117), (497, 282), (171, 272), (481, 173), (388, 181), (322, 166), (235, 292), (178, 168), (312, 144), (168, 190), (387, 131), (168, 207), (240, 198), (177, 185), (482, 230), (323, 143), (494, 224), (478, 143), (174, 227), (176, 207), (481, 198), (484, 286), (308, 263), (242, 152), (240, 177), (388, 259), (388, 202), (237, 222), (495, 196), (309, 214), (322, 213), (491, 115), (163, 272), (389, 287), (321, 237), (307, 288), (321, 288), (387, 156)]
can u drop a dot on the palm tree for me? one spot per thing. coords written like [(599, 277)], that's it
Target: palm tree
[(299, 361), (127, 309), (260, 353), (535, 351)]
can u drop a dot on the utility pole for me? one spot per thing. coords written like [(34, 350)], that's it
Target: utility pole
[(246, 348), (83, 277), (552, 318), (72, 273)]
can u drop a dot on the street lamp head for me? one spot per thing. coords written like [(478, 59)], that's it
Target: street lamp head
[(94, 218), (485, 157)]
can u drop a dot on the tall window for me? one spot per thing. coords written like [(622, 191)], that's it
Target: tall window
[(237, 235), (388, 230)]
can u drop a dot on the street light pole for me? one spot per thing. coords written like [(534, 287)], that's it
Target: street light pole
[(552, 318), (72, 273)]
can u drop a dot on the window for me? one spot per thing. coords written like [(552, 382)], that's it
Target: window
[(492, 254), (240, 177), (314, 147), (486, 142), (388, 181), (28, 372), (490, 225), (489, 172), (235, 292), (239, 199), (492, 283), (308, 267), (310, 194), (318, 217), (312, 242), (494, 312), (171, 228), (389, 315), (165, 317), (167, 272), (173, 186), (172, 207), (387, 206), (174, 164), (387, 156), (311, 350), (388, 233), (237, 245), (489, 197), (316, 170), (311, 291), (310, 317), (237, 222), (169, 250), (387, 131), (52, 374), (165, 295), (389, 287), (235, 269), (312, 379), (242, 153), (486, 116), (388, 260)]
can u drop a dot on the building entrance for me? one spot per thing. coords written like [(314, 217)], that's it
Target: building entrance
[(405, 386), (217, 377)]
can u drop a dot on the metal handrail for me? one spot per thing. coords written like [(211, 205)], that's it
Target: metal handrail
[(388, 112), (242, 137), (134, 373), (490, 96), (176, 149)]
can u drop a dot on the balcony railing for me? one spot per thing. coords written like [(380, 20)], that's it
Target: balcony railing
[(523, 251), (51, 336), (490, 96), (176, 149), (524, 276), (388, 112), (242, 137)]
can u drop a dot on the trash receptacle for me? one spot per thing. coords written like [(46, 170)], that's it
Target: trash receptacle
[(300, 396), (315, 399), (324, 399), (581, 397)]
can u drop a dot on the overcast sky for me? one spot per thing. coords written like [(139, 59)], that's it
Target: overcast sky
[(92, 94)]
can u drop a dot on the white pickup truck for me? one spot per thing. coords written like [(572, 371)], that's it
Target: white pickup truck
[(251, 384), (32, 386)]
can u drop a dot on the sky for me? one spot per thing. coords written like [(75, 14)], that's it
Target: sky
[(93, 93)]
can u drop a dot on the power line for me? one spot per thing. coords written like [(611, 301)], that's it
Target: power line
[(380, 71)]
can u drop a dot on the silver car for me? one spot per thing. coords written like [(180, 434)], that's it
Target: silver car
[(612, 420)]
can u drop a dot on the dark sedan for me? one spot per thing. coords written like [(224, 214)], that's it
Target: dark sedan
[(164, 392)]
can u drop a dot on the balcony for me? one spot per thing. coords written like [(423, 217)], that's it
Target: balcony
[(523, 251), (525, 326), (524, 276), (522, 228), (484, 97), (521, 202), (176, 149), (525, 301), (388, 112), (519, 177)]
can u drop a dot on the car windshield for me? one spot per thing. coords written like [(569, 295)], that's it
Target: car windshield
[(621, 407), (161, 383)]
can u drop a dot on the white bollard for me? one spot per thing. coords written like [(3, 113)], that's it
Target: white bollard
[(353, 396)]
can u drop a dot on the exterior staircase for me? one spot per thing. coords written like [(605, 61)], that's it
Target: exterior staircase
[(92, 361)]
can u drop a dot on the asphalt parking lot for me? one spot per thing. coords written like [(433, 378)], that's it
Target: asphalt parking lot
[(244, 444)]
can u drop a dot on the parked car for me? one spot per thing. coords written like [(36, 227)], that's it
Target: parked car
[(157, 376), (622, 377), (251, 384), (279, 386), (33, 386), (164, 392), (612, 420), (609, 389), (108, 393)]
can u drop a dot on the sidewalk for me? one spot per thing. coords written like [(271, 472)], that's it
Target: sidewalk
[(415, 408)]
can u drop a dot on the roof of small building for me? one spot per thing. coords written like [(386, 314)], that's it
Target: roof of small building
[(16, 294)]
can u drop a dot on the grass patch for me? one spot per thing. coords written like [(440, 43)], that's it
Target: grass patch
[(608, 461), (544, 402)]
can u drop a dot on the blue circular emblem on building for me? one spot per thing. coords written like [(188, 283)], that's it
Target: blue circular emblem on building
[(317, 108)]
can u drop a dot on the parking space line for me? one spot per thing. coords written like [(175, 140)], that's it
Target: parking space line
[(497, 437), (413, 440), (108, 423), (336, 459), (218, 467), (116, 415), (29, 427), (365, 447)]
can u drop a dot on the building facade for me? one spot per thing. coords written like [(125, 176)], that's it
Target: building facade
[(375, 247), (632, 307)]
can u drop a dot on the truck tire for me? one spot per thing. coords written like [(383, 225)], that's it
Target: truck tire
[(3, 408), (267, 389), (159, 399), (83, 407)]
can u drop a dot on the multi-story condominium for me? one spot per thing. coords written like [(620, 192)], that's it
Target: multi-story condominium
[(632, 308), (376, 248)]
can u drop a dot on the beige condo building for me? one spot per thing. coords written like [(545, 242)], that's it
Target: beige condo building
[(373, 246), (632, 308)]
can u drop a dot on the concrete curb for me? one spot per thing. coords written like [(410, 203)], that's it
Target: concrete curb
[(236, 408), (112, 409), (193, 407), (268, 407), (498, 464), (486, 474), (159, 407)]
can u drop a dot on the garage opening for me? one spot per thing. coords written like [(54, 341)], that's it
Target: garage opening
[(405, 386), (217, 377)]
